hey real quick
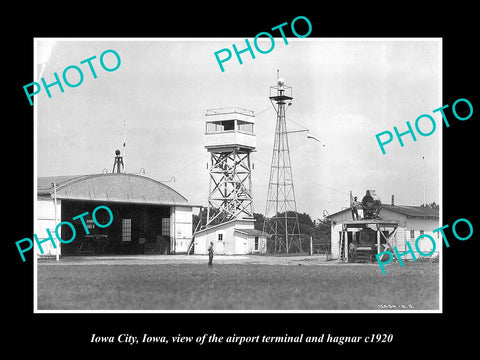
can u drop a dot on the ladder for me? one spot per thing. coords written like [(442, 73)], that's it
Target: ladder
[(342, 247), (190, 247)]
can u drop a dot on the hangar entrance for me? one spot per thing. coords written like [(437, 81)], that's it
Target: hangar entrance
[(136, 229)]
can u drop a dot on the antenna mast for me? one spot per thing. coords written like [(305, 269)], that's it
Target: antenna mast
[(118, 165), (281, 218), (424, 183), (124, 141)]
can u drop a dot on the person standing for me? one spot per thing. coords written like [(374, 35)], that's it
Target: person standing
[(352, 257), (210, 255), (355, 205)]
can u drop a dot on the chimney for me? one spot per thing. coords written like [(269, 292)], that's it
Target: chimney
[(393, 202)]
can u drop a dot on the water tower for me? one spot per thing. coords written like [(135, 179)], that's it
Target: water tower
[(230, 138)]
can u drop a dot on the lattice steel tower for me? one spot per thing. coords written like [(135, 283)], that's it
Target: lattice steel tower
[(281, 219), (230, 138)]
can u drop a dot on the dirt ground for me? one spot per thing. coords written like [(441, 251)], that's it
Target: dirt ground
[(263, 283)]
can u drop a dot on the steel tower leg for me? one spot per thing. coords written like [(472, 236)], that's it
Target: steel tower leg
[(230, 194), (281, 218)]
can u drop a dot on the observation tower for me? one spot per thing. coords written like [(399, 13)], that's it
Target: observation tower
[(230, 139)]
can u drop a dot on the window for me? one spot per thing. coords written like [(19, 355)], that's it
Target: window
[(421, 232), (126, 229), (90, 224), (212, 127), (166, 226), (220, 237), (412, 234), (244, 126), (228, 125), (256, 243), (220, 126)]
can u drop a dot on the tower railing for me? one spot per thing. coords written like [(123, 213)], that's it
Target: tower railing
[(230, 110)]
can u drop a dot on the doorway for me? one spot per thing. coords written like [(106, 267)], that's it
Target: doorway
[(220, 243)]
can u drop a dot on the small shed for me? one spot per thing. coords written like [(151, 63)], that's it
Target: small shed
[(234, 237)]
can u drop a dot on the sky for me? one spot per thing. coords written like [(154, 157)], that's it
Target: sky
[(345, 92)]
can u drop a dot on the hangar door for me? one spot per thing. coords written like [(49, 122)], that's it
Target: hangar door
[(136, 229)]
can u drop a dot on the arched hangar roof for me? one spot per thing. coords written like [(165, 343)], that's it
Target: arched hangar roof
[(116, 187)]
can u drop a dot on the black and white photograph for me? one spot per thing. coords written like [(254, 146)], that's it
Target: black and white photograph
[(271, 168)]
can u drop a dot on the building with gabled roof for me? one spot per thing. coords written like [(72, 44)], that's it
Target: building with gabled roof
[(407, 224), (234, 237)]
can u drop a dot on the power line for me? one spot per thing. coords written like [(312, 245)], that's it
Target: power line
[(262, 111), (304, 127), (309, 181)]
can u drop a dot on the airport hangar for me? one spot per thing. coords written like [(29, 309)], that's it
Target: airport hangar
[(148, 216)]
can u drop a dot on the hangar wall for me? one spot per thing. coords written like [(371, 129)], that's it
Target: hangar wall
[(181, 225), (45, 210)]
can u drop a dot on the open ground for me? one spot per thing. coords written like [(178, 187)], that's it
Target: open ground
[(234, 283)]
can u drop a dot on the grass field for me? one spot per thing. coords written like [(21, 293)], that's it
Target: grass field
[(237, 286)]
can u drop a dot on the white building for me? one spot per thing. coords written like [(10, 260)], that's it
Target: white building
[(409, 222), (148, 216), (234, 237)]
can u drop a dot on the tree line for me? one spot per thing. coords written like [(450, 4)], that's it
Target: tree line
[(319, 229)]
